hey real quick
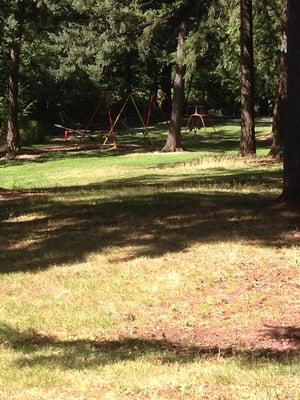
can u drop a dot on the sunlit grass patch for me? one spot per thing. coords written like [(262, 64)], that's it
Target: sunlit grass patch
[(148, 276)]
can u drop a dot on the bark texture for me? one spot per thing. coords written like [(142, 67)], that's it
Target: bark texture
[(247, 144), (279, 109), (291, 185), (173, 142)]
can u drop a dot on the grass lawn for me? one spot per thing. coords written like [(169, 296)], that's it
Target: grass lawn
[(138, 275)]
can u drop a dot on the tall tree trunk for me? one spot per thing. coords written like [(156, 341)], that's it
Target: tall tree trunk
[(291, 184), (247, 144), (279, 109), (173, 142)]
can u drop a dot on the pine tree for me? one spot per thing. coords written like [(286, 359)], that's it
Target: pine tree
[(15, 28), (279, 109), (173, 142), (19, 19), (179, 18), (247, 144)]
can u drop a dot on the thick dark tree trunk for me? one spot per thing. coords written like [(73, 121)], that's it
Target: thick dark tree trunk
[(291, 185), (279, 109), (166, 88), (13, 134), (247, 144), (173, 142)]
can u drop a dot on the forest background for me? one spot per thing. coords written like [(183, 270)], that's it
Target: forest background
[(73, 52)]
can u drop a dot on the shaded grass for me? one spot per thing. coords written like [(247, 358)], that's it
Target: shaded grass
[(148, 369), (147, 276), (126, 210)]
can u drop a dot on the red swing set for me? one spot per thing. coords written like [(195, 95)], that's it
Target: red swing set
[(112, 134), (145, 123), (105, 99)]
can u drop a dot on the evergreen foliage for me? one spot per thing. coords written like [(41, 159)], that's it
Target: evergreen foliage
[(74, 50)]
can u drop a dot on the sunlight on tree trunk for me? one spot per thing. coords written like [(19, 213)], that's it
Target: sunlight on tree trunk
[(174, 137), (247, 144), (278, 114)]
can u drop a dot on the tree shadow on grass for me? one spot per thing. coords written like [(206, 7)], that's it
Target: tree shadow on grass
[(151, 214), (217, 177), (38, 349), (290, 333), (30, 155)]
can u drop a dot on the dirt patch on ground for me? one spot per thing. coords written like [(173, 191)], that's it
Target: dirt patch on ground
[(36, 154), (65, 148), (267, 161), (272, 341), (6, 195), (32, 154)]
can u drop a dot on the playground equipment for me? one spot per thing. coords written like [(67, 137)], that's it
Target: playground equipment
[(67, 131), (83, 133), (105, 100), (145, 124), (197, 119), (110, 138)]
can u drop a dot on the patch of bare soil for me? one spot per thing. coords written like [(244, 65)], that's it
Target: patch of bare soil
[(265, 138), (58, 146), (270, 340), (6, 195), (71, 147), (262, 161), (224, 335)]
